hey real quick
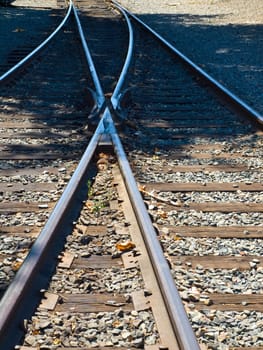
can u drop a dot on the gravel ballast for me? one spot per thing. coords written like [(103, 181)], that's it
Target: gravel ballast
[(222, 36)]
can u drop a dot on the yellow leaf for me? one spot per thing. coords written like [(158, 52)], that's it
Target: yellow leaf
[(16, 265), (116, 323), (176, 238), (142, 188), (89, 204), (125, 246)]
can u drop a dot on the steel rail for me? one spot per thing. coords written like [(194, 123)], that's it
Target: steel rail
[(179, 320), (175, 308), (116, 93), (19, 287), (98, 88), (216, 84), (26, 59), (23, 281), (11, 301)]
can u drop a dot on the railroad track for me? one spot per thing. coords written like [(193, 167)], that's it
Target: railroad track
[(195, 151), (43, 133)]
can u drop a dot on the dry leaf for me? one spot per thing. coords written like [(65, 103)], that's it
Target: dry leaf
[(125, 246), (16, 265), (142, 188), (177, 238), (163, 214), (89, 205)]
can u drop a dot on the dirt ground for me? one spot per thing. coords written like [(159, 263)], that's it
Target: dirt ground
[(214, 11), (36, 3)]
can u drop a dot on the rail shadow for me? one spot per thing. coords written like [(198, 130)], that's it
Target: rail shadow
[(52, 108), (24, 29), (229, 53)]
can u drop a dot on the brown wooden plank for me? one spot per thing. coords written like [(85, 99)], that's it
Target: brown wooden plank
[(37, 155), (205, 133), (197, 168), (19, 187), (28, 171), (92, 303), (228, 298), (24, 231), (84, 308), (201, 147), (217, 207), (91, 298), (11, 116), (96, 262), (192, 153), (233, 302), (22, 125), (36, 134), (49, 147), (212, 232), (218, 262), (186, 123), (25, 124), (200, 133), (45, 117), (23, 207), (199, 187)]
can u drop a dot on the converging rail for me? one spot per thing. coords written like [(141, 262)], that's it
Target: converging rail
[(143, 115), (19, 288)]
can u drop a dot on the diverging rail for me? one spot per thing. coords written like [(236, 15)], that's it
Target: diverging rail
[(13, 307), (23, 295)]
